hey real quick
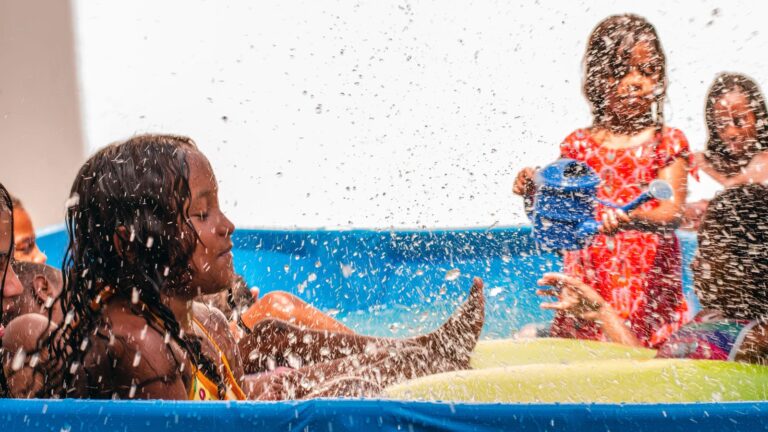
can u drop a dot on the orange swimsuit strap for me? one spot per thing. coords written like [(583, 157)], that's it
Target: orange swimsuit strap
[(233, 386)]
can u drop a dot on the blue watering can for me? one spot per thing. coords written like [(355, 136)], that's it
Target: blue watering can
[(563, 213)]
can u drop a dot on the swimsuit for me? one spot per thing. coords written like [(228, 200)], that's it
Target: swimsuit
[(202, 388), (707, 338)]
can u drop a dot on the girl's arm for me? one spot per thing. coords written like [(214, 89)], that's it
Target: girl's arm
[(668, 213), (579, 299), (755, 172)]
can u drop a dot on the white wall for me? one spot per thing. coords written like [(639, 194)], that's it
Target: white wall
[(375, 113), (41, 144)]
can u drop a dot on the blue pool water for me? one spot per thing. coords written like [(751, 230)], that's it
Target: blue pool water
[(398, 283)]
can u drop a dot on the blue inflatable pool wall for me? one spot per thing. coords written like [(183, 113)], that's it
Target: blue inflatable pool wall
[(388, 283)]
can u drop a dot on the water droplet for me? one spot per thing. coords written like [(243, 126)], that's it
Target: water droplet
[(452, 274), (136, 359), (294, 361), (73, 201), (347, 270), (18, 359), (493, 292), (150, 242), (312, 277), (135, 295)]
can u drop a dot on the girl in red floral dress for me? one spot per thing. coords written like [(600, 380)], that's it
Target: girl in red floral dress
[(635, 263)]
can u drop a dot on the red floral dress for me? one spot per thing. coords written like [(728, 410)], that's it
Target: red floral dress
[(638, 272)]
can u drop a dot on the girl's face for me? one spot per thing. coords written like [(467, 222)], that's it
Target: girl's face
[(212, 269), (735, 122), (12, 288), (632, 88), (24, 237)]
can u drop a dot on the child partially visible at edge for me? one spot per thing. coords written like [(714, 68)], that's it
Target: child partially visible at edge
[(730, 273), (737, 140), (635, 262)]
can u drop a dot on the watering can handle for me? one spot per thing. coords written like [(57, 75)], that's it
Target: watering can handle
[(658, 189)]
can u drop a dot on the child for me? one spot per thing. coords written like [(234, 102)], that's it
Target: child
[(41, 286), (737, 127), (730, 278), (147, 238), (24, 236), (636, 262), (10, 286)]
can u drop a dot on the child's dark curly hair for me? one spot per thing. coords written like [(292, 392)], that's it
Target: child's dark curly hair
[(717, 153), (608, 55), (733, 253)]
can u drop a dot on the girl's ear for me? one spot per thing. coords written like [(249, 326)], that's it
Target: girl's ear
[(42, 288)]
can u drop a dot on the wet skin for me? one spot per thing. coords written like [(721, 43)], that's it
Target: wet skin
[(140, 364), (24, 238)]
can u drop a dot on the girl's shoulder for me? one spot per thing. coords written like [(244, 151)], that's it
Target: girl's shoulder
[(673, 135), (673, 145), (576, 143), (580, 134)]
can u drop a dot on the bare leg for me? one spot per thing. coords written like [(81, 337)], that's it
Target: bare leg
[(276, 343), (359, 375), (287, 307)]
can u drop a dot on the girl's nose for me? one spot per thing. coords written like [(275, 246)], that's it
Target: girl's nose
[(12, 286), (38, 256), (226, 226)]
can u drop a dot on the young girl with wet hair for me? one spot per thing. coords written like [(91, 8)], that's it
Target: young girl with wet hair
[(737, 142), (25, 242), (147, 237), (635, 262), (10, 286)]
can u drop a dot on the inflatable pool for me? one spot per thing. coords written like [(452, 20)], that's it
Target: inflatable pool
[(598, 381), (397, 283)]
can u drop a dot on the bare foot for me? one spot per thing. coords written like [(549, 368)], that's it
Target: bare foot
[(457, 337)]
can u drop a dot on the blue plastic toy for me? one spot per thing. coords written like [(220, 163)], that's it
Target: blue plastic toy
[(563, 213)]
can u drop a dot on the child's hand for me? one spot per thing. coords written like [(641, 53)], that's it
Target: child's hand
[(573, 296), (524, 182), (613, 219)]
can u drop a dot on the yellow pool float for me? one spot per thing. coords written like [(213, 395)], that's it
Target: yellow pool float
[(570, 371)]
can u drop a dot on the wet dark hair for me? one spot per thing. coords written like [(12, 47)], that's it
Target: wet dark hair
[(717, 153), (129, 231), (733, 244), (6, 206), (608, 54)]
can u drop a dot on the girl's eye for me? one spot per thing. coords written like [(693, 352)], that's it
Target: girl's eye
[(649, 69), (202, 216)]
